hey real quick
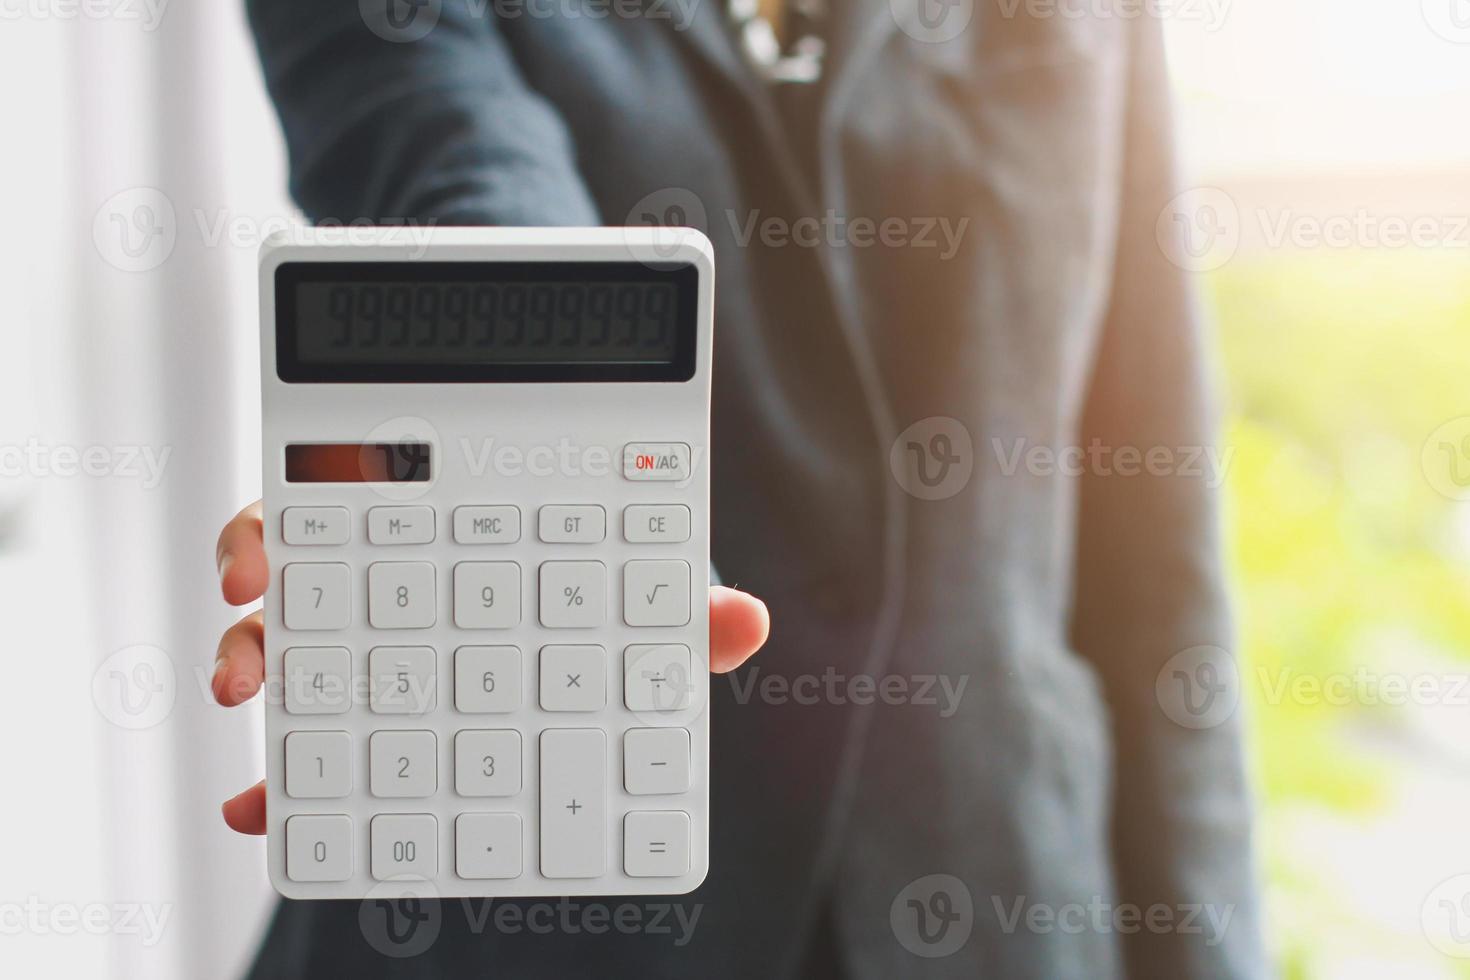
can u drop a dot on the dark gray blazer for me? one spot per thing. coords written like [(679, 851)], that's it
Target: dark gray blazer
[(1057, 787)]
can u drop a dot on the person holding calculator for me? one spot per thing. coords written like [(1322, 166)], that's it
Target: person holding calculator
[(946, 316)]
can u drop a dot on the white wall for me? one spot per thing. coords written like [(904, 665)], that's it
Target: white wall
[(118, 758)]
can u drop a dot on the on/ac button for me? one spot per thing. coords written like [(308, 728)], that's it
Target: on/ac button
[(656, 461)]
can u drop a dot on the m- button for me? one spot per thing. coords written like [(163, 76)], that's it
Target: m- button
[(657, 461), (401, 525)]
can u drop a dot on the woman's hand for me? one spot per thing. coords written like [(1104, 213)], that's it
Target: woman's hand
[(738, 624)]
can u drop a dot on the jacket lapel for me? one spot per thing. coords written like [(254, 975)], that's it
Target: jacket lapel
[(859, 30), (708, 35)]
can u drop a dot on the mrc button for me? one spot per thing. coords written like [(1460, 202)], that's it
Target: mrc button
[(656, 461)]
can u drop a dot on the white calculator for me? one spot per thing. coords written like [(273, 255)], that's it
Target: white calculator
[(486, 503)]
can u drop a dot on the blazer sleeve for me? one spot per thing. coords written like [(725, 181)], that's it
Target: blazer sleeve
[(1150, 584), (442, 127)]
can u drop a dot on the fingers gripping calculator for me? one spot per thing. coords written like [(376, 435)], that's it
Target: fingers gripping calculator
[(486, 504)]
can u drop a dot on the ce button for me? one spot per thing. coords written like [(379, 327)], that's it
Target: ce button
[(656, 523)]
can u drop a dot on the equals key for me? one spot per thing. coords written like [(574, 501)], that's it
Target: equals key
[(656, 843)]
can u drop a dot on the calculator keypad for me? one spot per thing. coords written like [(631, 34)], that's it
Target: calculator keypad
[(656, 523), (405, 845), (573, 594), (487, 595), (402, 680), (401, 525), (318, 765), (656, 761), (487, 763), (316, 595), (656, 593), (487, 845), (403, 765), (573, 802), (485, 756), (657, 677), (317, 680), (573, 678), (487, 525), (401, 595), (667, 461), (656, 843), (319, 847), (572, 524), (487, 679), (315, 525)]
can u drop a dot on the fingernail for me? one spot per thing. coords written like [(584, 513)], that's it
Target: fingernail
[(226, 559)]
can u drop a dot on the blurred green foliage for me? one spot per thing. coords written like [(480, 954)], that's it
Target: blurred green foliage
[(1338, 366)]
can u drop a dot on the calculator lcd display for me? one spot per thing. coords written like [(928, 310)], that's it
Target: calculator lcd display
[(353, 462), (548, 321)]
